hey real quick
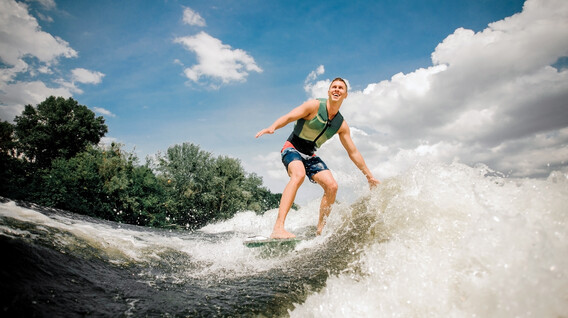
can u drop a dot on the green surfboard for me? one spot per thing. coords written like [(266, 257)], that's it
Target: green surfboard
[(261, 241)]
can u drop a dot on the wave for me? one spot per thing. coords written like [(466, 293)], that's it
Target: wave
[(454, 241), (439, 240)]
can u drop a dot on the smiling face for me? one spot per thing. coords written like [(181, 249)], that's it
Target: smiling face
[(337, 90)]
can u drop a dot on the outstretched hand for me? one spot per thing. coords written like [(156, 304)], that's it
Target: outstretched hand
[(373, 182), (264, 131)]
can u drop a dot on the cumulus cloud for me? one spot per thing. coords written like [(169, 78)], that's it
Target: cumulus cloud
[(21, 36), (490, 97), (217, 62), (191, 17), (102, 111), (315, 73), (15, 96), (27, 50), (82, 75)]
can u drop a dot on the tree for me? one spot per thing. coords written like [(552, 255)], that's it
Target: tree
[(106, 183), (11, 171), (259, 198), (57, 128), (202, 188), (7, 142), (227, 191), (187, 170), (133, 191), (75, 185)]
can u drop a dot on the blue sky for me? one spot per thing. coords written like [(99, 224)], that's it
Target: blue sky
[(436, 79)]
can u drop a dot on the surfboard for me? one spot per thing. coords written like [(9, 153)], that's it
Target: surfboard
[(260, 241)]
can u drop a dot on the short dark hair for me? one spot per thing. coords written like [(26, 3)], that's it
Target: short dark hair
[(339, 79)]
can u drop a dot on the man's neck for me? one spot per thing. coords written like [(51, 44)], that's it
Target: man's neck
[(332, 108)]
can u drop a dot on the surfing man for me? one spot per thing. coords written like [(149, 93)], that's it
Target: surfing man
[(316, 122)]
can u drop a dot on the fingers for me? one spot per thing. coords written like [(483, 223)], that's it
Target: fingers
[(260, 133), (264, 131), (373, 183)]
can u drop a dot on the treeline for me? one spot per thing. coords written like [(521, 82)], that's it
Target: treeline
[(50, 156)]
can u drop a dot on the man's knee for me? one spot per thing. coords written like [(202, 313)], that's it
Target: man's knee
[(297, 172), (331, 186), (298, 178)]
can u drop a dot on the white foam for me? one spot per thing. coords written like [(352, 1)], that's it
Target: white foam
[(460, 244), (224, 255)]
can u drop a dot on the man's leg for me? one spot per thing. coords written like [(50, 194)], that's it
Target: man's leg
[(297, 174), (327, 182)]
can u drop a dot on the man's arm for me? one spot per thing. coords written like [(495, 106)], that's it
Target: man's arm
[(307, 110), (354, 154)]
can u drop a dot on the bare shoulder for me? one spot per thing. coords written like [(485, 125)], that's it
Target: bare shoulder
[(309, 108), (344, 129), (312, 104)]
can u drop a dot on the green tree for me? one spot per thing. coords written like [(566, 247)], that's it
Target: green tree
[(76, 185), (259, 198), (11, 170), (202, 188), (228, 193), (7, 142), (187, 170), (134, 192), (106, 183), (57, 128)]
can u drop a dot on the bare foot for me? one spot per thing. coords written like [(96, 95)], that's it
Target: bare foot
[(320, 228), (281, 234)]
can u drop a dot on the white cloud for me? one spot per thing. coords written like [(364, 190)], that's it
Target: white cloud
[(315, 73), (27, 50), (22, 36), (191, 17), (102, 111), (85, 76), (317, 89), (15, 96), (216, 61), (489, 97)]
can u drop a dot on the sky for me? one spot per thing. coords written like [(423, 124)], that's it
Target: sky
[(474, 82)]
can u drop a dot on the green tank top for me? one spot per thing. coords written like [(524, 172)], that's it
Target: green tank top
[(308, 135)]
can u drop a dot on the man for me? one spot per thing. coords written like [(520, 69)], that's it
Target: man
[(316, 121)]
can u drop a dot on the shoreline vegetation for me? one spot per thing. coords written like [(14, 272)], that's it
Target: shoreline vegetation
[(51, 157)]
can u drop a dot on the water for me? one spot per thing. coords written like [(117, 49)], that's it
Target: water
[(437, 241)]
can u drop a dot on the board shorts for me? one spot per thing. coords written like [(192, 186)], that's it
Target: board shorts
[(312, 164)]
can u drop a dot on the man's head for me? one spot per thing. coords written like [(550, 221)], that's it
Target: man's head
[(341, 80), (337, 89)]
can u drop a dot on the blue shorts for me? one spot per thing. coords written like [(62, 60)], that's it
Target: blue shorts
[(312, 164)]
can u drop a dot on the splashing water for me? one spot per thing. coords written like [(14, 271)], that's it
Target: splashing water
[(457, 242), (437, 241)]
